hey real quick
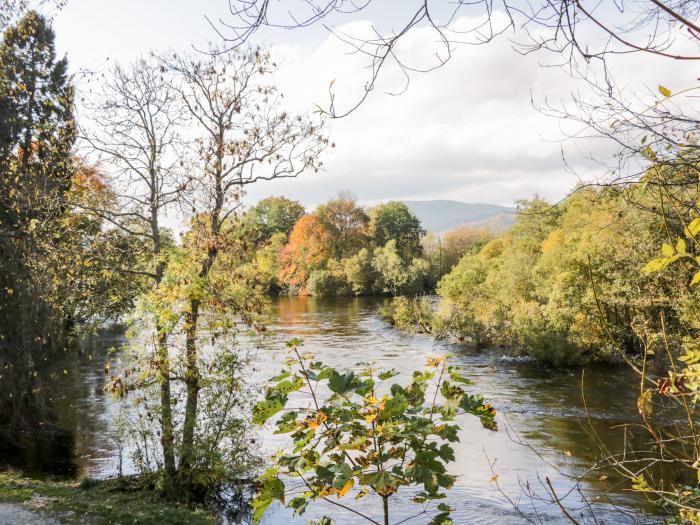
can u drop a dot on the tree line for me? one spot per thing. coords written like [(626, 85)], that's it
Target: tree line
[(343, 249)]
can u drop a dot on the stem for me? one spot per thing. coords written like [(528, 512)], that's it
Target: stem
[(385, 501)]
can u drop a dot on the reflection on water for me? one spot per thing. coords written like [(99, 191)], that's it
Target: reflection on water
[(539, 407)]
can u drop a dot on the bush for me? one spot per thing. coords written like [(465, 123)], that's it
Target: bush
[(322, 283)]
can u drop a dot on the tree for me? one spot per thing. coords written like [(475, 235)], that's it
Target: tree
[(347, 221), (361, 275), (36, 136), (398, 275), (135, 129), (242, 136), (54, 260), (272, 215), (309, 248), (394, 221)]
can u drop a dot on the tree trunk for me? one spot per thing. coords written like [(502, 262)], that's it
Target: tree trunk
[(166, 411), (192, 382)]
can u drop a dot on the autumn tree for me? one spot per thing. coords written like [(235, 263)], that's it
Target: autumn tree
[(242, 136), (347, 221), (310, 246), (134, 128), (50, 277)]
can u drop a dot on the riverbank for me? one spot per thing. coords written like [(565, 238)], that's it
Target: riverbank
[(93, 502)]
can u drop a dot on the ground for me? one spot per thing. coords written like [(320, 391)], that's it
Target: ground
[(25, 501)]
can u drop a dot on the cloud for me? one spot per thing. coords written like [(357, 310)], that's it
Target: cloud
[(466, 131)]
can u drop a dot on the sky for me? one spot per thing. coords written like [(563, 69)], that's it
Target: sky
[(467, 131)]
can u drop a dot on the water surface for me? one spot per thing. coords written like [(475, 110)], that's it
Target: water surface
[(545, 431)]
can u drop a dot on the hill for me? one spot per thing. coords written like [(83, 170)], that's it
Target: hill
[(443, 215)]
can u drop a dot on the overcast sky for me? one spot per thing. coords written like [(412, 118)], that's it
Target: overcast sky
[(467, 131)]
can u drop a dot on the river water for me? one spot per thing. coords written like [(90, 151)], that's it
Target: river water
[(544, 429)]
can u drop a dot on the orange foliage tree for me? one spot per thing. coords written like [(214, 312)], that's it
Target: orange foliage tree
[(309, 248)]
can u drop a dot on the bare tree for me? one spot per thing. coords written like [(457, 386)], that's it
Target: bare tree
[(242, 135), (578, 32), (135, 128)]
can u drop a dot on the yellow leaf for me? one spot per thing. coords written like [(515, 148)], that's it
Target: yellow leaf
[(568, 453), (348, 485), (370, 417), (494, 478), (681, 246), (695, 279), (362, 493), (664, 91), (433, 362)]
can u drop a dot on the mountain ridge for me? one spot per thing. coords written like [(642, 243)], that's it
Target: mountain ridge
[(442, 215)]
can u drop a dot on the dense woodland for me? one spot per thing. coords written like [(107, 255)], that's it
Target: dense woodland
[(609, 274)]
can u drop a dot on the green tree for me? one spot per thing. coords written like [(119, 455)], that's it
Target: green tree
[(394, 221), (270, 216), (398, 275)]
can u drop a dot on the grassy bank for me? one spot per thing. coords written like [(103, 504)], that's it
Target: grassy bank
[(113, 501)]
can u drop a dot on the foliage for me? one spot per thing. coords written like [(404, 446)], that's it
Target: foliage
[(347, 222), (309, 248), (271, 216), (360, 275), (56, 262), (394, 221), (564, 279), (367, 436), (399, 275)]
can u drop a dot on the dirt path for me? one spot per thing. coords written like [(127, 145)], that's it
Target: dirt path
[(11, 514)]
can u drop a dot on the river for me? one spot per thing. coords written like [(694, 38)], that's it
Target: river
[(544, 430)]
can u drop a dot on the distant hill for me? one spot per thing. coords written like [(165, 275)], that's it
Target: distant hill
[(442, 215)]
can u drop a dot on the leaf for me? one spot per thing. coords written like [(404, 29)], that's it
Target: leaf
[(348, 485), (664, 91), (342, 383), (287, 386), (681, 246), (667, 250), (693, 228), (696, 279), (644, 405), (267, 408), (655, 265)]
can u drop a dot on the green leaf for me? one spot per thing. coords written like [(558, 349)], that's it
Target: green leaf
[(282, 375), (387, 374), (287, 386), (664, 91), (342, 383), (267, 408)]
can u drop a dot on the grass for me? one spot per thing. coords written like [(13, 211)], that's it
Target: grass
[(112, 501)]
